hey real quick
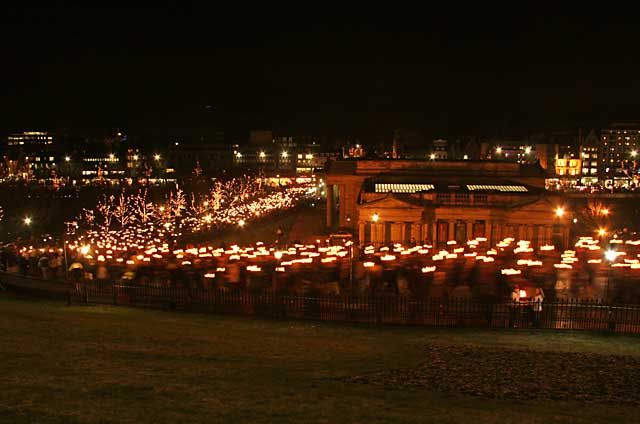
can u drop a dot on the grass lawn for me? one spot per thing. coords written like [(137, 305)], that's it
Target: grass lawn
[(93, 364)]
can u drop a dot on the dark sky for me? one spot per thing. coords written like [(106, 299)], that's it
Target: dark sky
[(172, 70)]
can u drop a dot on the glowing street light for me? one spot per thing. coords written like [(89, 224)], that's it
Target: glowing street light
[(559, 212), (604, 212), (602, 232), (67, 158), (498, 150), (135, 157), (432, 156), (285, 154), (527, 150), (241, 223), (375, 217), (110, 155), (634, 153), (277, 255), (610, 255), (156, 157), (27, 220), (263, 155)]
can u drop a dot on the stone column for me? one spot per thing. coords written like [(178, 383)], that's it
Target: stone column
[(361, 232), (434, 232), (416, 232), (488, 227), (330, 205), (469, 230), (452, 230), (342, 215)]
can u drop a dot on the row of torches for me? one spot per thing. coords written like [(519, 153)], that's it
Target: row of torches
[(429, 259)]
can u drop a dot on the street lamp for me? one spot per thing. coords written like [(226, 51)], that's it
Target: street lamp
[(67, 158), (602, 232), (559, 212), (498, 150), (610, 256), (375, 217), (432, 156), (156, 157), (527, 150), (604, 212), (241, 223), (27, 220)]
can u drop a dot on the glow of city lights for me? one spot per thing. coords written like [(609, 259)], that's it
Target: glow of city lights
[(110, 155), (277, 254), (84, 249), (527, 150), (499, 150), (241, 223), (432, 156), (263, 155), (634, 153), (604, 212), (285, 154), (135, 157)]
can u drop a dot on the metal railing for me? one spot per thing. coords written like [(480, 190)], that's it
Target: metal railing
[(571, 314)]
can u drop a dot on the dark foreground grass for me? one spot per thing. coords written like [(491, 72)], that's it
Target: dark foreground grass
[(93, 364)]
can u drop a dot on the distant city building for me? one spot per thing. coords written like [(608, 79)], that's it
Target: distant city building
[(620, 146), (212, 158), (589, 154), (36, 149), (440, 150)]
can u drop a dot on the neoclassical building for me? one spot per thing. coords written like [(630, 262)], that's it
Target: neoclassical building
[(389, 201)]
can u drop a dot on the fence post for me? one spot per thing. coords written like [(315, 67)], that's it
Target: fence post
[(611, 321)]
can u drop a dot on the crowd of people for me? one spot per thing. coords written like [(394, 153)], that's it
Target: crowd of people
[(473, 270)]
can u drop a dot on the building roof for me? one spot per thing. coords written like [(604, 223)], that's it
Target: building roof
[(438, 168)]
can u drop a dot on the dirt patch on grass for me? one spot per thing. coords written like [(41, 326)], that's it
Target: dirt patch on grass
[(519, 374)]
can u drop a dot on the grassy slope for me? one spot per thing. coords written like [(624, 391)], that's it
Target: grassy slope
[(110, 364)]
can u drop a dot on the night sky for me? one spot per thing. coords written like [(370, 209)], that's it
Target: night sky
[(170, 71)]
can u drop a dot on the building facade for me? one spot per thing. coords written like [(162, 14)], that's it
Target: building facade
[(400, 201), (620, 146)]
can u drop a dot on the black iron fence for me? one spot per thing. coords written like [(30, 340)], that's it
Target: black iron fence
[(572, 314)]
